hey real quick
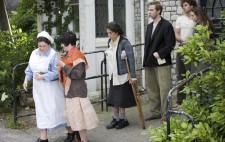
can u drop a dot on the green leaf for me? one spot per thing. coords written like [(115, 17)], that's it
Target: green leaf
[(184, 125)]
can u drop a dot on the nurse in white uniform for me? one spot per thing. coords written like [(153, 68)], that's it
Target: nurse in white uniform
[(47, 93)]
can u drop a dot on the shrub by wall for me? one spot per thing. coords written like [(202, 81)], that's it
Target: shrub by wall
[(13, 50), (208, 103)]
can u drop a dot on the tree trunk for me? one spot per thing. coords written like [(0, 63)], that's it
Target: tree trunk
[(4, 26)]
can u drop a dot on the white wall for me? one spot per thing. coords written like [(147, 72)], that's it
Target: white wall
[(87, 37), (130, 31), (88, 41)]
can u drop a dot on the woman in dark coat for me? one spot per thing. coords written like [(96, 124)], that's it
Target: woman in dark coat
[(120, 92)]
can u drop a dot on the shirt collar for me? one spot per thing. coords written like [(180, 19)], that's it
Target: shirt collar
[(45, 53), (115, 42)]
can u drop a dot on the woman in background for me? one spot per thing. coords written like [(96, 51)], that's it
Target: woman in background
[(200, 18), (120, 91)]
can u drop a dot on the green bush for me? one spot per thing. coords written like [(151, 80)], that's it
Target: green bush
[(17, 49), (13, 50), (208, 103)]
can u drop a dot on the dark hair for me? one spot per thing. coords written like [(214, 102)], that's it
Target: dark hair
[(43, 39), (158, 6), (115, 27), (203, 18), (191, 2), (68, 38)]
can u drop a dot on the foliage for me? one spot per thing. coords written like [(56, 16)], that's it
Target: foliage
[(182, 130), (13, 51), (16, 49), (25, 16), (56, 8), (207, 103), (9, 123)]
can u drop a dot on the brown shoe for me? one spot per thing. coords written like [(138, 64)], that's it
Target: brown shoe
[(175, 106), (152, 118), (163, 118)]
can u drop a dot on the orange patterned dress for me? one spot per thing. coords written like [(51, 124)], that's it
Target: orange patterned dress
[(79, 111)]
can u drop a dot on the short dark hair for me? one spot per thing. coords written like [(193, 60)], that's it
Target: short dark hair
[(191, 2), (68, 38), (158, 6), (115, 27), (43, 39)]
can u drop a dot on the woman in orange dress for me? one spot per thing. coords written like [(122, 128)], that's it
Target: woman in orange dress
[(72, 70)]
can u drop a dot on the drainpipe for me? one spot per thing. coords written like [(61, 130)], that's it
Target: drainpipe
[(142, 38), (9, 27), (110, 7)]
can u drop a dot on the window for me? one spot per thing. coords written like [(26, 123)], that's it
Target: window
[(102, 14), (101, 17), (213, 7), (75, 10), (119, 13)]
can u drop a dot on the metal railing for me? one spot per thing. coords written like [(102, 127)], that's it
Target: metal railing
[(102, 76), (103, 65), (170, 111)]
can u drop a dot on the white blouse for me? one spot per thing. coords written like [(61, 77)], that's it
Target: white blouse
[(112, 64)]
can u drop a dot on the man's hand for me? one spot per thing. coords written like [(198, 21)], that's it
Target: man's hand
[(156, 55)]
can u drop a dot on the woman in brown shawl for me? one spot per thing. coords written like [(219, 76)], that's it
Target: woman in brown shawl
[(79, 112)]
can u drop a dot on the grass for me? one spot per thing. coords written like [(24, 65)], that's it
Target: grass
[(9, 123), (7, 119)]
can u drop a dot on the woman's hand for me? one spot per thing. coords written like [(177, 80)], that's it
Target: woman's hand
[(38, 76), (133, 80), (60, 63), (25, 85)]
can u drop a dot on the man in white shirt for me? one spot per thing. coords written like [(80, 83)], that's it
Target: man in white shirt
[(183, 29)]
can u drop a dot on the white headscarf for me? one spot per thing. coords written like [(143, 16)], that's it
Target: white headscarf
[(46, 35)]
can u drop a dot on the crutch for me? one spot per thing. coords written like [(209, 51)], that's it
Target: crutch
[(135, 91)]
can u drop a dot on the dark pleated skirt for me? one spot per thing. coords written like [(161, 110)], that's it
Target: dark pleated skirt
[(121, 95)]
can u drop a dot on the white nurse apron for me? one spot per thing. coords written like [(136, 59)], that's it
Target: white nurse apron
[(48, 95)]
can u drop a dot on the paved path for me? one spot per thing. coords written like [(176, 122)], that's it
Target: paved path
[(132, 133)]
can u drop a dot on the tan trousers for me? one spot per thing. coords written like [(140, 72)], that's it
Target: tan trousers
[(158, 83)]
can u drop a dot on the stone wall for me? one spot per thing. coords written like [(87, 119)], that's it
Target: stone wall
[(171, 10), (137, 25)]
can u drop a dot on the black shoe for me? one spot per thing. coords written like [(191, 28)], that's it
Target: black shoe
[(112, 124), (77, 135), (39, 140), (70, 137), (123, 123)]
